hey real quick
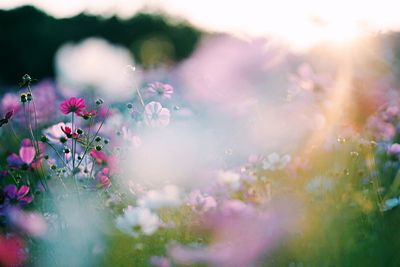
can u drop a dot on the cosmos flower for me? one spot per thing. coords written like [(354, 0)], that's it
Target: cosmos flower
[(156, 115), (100, 157), (102, 178), (73, 104), (161, 90), (20, 196), (138, 218), (89, 114), (55, 132), (26, 155)]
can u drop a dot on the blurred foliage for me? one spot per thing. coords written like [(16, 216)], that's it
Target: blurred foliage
[(29, 39)]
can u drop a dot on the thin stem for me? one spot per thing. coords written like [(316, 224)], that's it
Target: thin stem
[(94, 137), (143, 105), (14, 133), (73, 140), (58, 154), (34, 116)]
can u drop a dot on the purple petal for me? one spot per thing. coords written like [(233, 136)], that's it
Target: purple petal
[(14, 160), (10, 190)]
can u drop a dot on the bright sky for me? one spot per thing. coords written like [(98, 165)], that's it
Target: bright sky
[(301, 23)]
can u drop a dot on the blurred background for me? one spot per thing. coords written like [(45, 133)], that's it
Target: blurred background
[(166, 32)]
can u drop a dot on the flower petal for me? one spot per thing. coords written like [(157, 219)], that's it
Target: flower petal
[(11, 190), (23, 191), (27, 154)]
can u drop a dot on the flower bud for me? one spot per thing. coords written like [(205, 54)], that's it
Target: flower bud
[(23, 98), (44, 139), (99, 101), (29, 97)]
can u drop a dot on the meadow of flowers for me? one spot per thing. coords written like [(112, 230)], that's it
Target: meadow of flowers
[(245, 154)]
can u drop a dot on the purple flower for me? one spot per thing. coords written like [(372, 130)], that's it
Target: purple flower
[(14, 161), (160, 89), (10, 102), (20, 196), (156, 115)]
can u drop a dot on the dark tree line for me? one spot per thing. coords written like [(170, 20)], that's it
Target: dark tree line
[(29, 38)]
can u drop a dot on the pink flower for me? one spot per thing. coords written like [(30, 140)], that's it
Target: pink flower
[(102, 178), (12, 251), (27, 154), (31, 222), (55, 132), (160, 89), (156, 115), (201, 203), (394, 149), (75, 105), (89, 114), (67, 130)]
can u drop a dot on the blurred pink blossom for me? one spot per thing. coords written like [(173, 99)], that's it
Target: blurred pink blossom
[(156, 115), (31, 222)]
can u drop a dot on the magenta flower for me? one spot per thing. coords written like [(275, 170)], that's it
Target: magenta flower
[(160, 89), (102, 178), (12, 251), (156, 115), (75, 105), (20, 196)]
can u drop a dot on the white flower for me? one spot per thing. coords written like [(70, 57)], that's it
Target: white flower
[(156, 115), (54, 133), (391, 203), (138, 219), (229, 178), (168, 197), (275, 162)]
